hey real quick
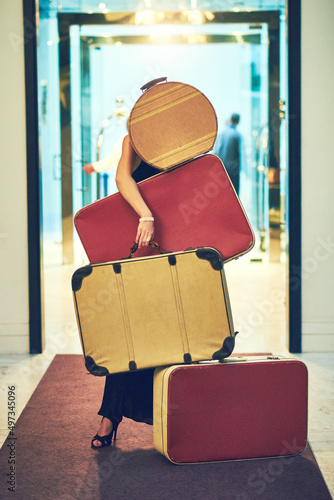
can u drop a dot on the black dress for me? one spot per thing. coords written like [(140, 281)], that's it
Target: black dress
[(130, 394)]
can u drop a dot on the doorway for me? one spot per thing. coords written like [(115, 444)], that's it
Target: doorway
[(232, 57), (235, 79)]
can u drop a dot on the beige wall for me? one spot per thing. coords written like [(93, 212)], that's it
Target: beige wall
[(318, 175), (14, 313)]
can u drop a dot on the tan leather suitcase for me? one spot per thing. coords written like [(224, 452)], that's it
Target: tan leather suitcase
[(151, 311), (171, 123)]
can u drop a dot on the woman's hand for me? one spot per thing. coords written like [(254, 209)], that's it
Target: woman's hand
[(145, 233), (89, 169)]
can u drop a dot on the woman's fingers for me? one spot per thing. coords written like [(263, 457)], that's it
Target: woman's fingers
[(145, 233), (145, 238)]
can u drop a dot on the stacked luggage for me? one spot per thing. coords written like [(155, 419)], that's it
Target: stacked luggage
[(168, 306)]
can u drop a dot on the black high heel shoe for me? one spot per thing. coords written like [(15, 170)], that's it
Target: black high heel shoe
[(106, 440)]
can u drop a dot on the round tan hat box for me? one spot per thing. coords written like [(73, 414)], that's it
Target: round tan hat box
[(171, 123)]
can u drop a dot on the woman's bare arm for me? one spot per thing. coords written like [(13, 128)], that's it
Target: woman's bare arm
[(129, 190)]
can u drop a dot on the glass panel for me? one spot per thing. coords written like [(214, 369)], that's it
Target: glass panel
[(49, 128), (232, 72)]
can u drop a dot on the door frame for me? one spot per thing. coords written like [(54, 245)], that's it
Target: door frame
[(294, 205), (293, 228), (34, 184)]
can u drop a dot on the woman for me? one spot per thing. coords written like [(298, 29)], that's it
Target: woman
[(129, 394)]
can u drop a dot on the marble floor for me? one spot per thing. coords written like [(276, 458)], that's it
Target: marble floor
[(257, 293)]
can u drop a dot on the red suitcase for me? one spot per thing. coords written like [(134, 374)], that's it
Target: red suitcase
[(193, 205), (240, 409)]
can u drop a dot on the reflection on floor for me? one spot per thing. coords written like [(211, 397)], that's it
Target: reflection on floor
[(257, 293)]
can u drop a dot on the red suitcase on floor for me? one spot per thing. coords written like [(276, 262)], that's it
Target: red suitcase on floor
[(193, 205), (239, 409)]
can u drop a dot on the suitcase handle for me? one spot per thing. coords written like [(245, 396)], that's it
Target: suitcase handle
[(150, 84), (135, 247)]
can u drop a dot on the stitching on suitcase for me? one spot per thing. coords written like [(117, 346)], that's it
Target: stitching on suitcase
[(186, 147), (148, 100), (163, 107), (124, 309), (179, 308), (172, 89)]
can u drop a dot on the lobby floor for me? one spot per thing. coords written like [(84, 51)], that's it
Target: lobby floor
[(257, 293)]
